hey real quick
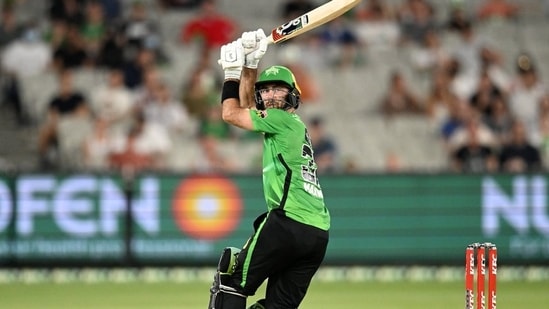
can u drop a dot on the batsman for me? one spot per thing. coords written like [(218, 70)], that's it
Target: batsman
[(289, 241)]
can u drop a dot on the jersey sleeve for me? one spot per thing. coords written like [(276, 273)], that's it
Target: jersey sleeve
[(269, 121)]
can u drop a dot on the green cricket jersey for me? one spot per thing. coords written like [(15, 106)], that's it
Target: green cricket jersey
[(289, 170)]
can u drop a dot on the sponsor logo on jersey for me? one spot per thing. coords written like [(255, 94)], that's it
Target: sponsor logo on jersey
[(313, 190), (261, 114)]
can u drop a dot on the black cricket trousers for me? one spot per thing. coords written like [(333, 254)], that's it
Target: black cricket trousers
[(287, 253)]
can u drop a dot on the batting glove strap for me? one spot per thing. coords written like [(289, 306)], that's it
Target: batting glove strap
[(233, 74)]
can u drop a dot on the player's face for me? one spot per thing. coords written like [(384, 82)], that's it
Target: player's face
[(274, 95)]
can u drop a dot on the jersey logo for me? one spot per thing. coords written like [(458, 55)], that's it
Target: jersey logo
[(261, 114), (272, 71)]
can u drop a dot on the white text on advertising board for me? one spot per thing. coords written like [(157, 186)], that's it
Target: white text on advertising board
[(523, 209), (80, 206)]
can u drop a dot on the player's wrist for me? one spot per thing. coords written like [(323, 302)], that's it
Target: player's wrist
[(230, 89)]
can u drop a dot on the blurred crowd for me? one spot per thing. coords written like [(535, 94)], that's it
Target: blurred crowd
[(488, 118), (132, 118)]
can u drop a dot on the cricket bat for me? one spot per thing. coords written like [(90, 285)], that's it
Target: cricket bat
[(310, 20)]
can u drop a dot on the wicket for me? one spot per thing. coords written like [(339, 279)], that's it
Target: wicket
[(481, 249)]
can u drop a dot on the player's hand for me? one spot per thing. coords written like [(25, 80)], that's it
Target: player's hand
[(232, 59), (255, 46)]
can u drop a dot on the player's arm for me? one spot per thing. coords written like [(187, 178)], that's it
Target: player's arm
[(233, 113), (247, 88), (232, 61), (240, 70)]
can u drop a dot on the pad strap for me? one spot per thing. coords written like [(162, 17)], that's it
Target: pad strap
[(222, 295)]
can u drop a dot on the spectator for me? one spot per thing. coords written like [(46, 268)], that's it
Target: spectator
[(145, 93), (457, 19), (470, 58), (212, 132), (440, 100), (500, 120), (68, 102), (26, 56), (399, 99), (431, 55), (539, 138), (70, 53), (544, 105), (544, 143), (458, 114), (179, 4), (213, 126), (468, 54), (145, 146), (376, 26), (542, 139), (135, 68), (165, 111), (486, 93), (416, 19), (471, 144), (112, 101), (526, 93), (324, 147), (373, 10), (474, 156), (210, 28), (519, 155), (56, 34), (93, 30), (98, 146), (112, 49), (342, 43), (212, 160), (497, 9), (141, 32), (350, 166), (67, 11), (10, 28), (472, 128), (492, 63), (310, 50), (393, 162), (112, 10), (131, 158), (201, 89), (291, 9)]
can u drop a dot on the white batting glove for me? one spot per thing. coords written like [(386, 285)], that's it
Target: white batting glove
[(232, 59), (255, 46)]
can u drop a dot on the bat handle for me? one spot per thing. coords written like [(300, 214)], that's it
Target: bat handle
[(270, 39)]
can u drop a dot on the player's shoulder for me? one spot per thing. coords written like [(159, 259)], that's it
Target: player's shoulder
[(272, 113), (279, 118)]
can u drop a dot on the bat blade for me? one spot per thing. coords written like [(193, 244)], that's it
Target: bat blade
[(310, 20)]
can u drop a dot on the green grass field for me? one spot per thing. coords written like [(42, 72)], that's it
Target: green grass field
[(409, 295)]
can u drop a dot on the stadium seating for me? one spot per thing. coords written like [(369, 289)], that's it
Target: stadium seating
[(349, 98)]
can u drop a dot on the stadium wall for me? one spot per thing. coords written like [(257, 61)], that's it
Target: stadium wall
[(185, 220)]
